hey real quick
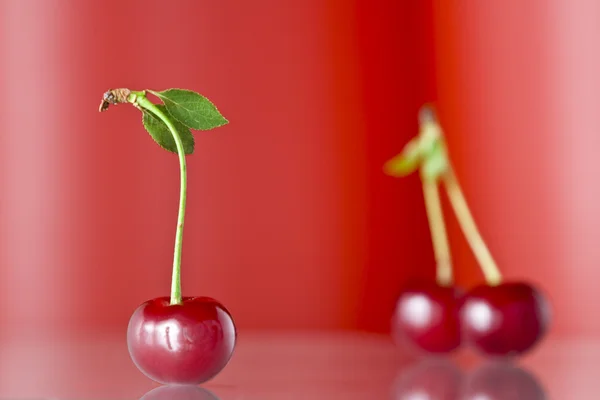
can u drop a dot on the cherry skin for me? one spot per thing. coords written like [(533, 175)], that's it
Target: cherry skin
[(188, 343), (503, 382), (427, 317), (505, 320)]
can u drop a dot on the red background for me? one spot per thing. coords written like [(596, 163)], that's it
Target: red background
[(290, 221)]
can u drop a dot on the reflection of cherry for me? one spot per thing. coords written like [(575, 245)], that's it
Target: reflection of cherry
[(187, 343), (427, 317), (429, 380), (508, 319), (179, 392), (503, 382)]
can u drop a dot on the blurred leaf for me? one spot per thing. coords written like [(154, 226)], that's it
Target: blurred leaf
[(191, 109), (163, 136), (435, 162), (430, 137), (406, 162)]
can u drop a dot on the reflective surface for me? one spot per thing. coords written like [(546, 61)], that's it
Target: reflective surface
[(291, 366)]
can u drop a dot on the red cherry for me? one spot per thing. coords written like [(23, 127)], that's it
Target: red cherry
[(505, 320), (188, 343), (503, 382), (429, 380), (427, 317), (179, 392)]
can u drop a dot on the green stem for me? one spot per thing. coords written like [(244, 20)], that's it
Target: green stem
[(437, 228), (139, 99), (458, 202)]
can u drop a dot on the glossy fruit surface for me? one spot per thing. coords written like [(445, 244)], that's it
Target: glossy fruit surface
[(503, 382), (429, 380), (505, 320), (427, 317), (188, 343)]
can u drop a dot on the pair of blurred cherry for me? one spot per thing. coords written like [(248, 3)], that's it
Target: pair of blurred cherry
[(496, 318), (503, 320)]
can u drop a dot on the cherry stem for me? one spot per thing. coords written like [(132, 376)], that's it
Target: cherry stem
[(467, 224), (139, 99), (437, 228)]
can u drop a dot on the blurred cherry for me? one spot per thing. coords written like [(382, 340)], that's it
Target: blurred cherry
[(503, 381), (179, 392), (426, 317), (505, 320), (429, 380)]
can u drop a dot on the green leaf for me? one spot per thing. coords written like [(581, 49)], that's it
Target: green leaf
[(406, 162), (191, 109), (162, 135), (435, 163)]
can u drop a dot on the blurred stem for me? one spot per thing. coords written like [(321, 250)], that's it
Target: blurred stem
[(467, 224), (437, 228)]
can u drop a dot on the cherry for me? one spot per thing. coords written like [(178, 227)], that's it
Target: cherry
[(427, 317), (429, 380), (505, 320), (503, 382), (176, 339), (186, 343), (179, 392)]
